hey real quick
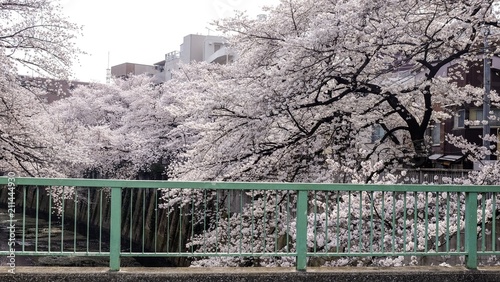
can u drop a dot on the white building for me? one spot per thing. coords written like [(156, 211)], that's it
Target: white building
[(194, 48), (198, 48)]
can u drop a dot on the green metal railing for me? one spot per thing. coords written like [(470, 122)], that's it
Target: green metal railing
[(270, 221)]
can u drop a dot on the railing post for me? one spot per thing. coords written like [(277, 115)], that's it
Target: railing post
[(301, 241), (115, 229), (471, 229)]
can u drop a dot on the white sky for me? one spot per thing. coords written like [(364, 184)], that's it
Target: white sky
[(142, 31)]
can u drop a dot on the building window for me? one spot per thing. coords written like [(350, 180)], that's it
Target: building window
[(436, 134), (476, 117), (460, 119), (495, 117), (476, 114)]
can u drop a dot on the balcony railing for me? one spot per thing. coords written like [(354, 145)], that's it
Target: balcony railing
[(271, 222)]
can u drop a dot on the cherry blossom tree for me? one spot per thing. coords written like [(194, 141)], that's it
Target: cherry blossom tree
[(301, 102), (34, 36), (315, 79), (121, 128), (357, 222), (28, 144), (311, 84)]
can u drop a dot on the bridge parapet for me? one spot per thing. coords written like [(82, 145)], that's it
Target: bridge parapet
[(281, 224)]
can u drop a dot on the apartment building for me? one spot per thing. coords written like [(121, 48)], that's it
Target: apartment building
[(468, 119), (194, 48)]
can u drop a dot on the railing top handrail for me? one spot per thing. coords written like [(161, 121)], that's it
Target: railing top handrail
[(117, 183)]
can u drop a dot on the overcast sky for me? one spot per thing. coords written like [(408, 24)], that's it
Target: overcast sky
[(142, 31)]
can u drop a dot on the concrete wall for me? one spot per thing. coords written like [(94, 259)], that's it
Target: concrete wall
[(192, 48)]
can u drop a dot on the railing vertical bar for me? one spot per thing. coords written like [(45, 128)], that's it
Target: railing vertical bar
[(382, 225), (437, 222), (459, 218), (75, 218), (349, 223), (483, 221), (63, 208), (131, 220), (24, 219), (327, 212), (337, 235), (36, 217), (180, 230), (88, 219), (50, 218), (360, 227), (252, 223), (264, 216), (288, 221), (115, 229), (241, 222), (315, 224), (415, 222), (404, 221), (143, 219), (426, 221), (471, 229), (394, 200), (276, 217), (493, 221), (371, 221), (217, 221), (301, 230), (100, 219), (192, 224), (447, 222), (171, 210), (156, 221), (205, 220), (228, 238)]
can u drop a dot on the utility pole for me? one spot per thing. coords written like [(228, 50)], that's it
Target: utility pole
[(487, 87)]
